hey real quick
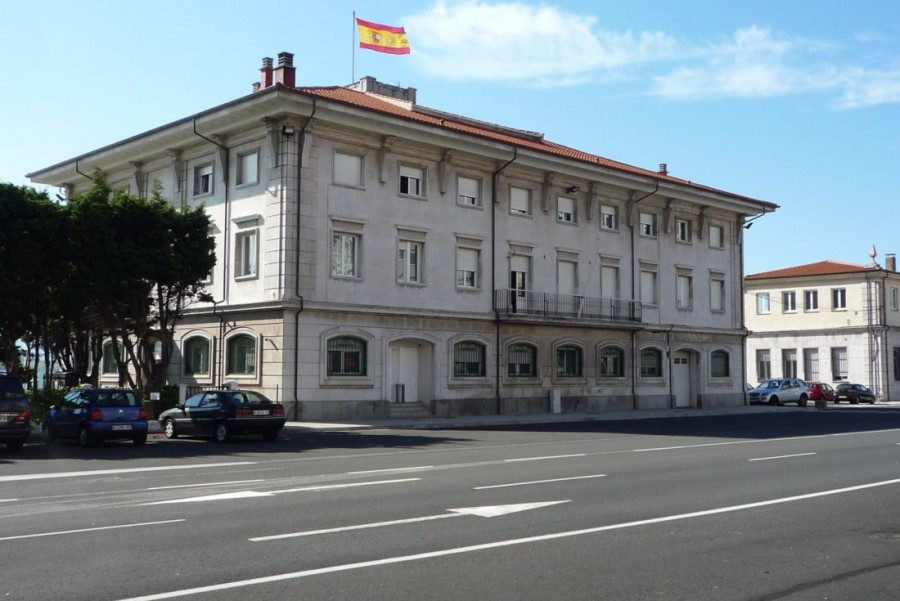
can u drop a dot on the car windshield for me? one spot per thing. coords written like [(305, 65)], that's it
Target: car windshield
[(770, 384), (116, 398), (10, 388), (248, 398)]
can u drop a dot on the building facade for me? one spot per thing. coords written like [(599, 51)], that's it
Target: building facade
[(828, 321), (377, 257)]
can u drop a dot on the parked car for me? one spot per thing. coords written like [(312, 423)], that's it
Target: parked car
[(854, 393), (15, 413), (224, 413), (820, 390), (777, 391), (90, 415)]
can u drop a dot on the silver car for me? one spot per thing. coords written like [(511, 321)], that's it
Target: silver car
[(777, 391)]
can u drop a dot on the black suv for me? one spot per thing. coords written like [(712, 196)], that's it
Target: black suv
[(15, 415)]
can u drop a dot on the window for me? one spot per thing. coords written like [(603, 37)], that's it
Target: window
[(789, 303), (348, 169), (811, 300), (565, 209), (789, 363), (468, 360), (248, 168), (719, 364), (762, 302), (412, 181), (467, 260), (647, 224), (609, 217), (651, 363), (609, 281), (684, 293), (196, 356), (683, 230), (203, 180), (109, 365), (838, 298), (839, 363), (566, 276), (649, 289), (241, 355), (521, 361), (716, 236), (408, 256), (345, 255), (569, 362), (519, 201), (245, 254), (346, 356), (811, 364), (895, 299), (612, 362), (717, 293), (763, 365), (468, 191), (897, 363)]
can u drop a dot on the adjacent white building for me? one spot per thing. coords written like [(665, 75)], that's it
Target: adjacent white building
[(375, 255), (828, 321)]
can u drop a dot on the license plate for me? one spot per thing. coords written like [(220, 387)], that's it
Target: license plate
[(122, 427), (5, 417), (260, 412)]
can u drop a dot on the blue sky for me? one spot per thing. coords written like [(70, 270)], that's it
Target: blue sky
[(796, 103)]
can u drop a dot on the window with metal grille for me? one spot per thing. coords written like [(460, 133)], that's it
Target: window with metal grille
[(569, 362), (612, 362), (468, 360), (346, 356), (521, 361), (811, 364), (651, 363), (839, 363), (241, 355), (789, 363), (719, 364), (763, 365), (196, 356)]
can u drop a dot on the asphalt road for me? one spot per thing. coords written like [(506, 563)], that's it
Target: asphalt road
[(794, 505)]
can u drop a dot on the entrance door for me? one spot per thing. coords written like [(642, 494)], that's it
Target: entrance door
[(405, 361), (681, 376)]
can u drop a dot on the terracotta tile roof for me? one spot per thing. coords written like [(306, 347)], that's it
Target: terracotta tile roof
[(810, 269), (466, 126)]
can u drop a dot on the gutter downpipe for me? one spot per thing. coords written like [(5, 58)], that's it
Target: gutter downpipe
[(81, 173), (494, 177), (227, 232), (634, 399), (300, 145), (744, 331)]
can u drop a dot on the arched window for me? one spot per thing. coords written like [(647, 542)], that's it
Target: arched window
[(521, 361), (196, 356), (651, 363), (241, 355), (346, 356), (468, 360), (612, 362), (569, 361), (109, 365), (719, 367)]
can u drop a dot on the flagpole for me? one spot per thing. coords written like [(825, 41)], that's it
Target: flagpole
[(353, 50)]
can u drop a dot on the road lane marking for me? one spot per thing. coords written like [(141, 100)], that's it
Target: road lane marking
[(392, 469), (253, 494), (97, 529), (8, 500), (205, 484), (521, 459), (496, 545), (490, 511), (782, 457), (537, 482), (130, 470)]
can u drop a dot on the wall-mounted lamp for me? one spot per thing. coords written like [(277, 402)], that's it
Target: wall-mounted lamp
[(287, 131), (572, 189)]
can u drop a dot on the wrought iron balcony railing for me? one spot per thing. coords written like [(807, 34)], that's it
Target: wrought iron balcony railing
[(547, 304)]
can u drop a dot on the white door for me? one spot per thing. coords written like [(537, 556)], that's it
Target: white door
[(406, 374), (681, 376)]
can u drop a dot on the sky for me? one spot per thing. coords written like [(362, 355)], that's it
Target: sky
[(795, 103)]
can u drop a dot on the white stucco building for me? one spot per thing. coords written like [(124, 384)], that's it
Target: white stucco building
[(828, 321), (375, 255)]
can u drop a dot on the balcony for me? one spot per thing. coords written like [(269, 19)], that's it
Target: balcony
[(567, 306)]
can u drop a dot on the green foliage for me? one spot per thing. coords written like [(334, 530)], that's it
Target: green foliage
[(42, 400)]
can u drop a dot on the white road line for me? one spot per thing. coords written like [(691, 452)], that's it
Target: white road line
[(204, 484), (357, 527), (8, 500), (521, 459), (119, 527), (537, 482), (782, 457), (131, 470), (495, 545), (393, 469), (350, 485)]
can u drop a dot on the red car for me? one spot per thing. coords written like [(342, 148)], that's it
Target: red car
[(820, 390)]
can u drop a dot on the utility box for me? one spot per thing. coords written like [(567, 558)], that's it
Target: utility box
[(555, 400)]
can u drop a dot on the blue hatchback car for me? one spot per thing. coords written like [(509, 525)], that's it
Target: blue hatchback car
[(90, 415)]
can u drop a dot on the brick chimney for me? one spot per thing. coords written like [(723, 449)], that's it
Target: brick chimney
[(285, 73), (663, 169), (265, 77), (890, 262)]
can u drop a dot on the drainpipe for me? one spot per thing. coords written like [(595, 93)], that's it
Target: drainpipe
[(497, 349), (634, 357), (744, 331), (300, 144)]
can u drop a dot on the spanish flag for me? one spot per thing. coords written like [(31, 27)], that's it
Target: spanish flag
[(382, 38)]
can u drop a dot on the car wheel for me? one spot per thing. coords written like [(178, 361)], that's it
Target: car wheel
[(872, 401), (854, 401), (169, 429), (222, 434), (15, 446), (802, 401), (140, 439), (270, 435), (47, 434), (773, 400), (84, 438)]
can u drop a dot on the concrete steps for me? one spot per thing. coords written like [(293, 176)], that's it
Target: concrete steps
[(409, 410)]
